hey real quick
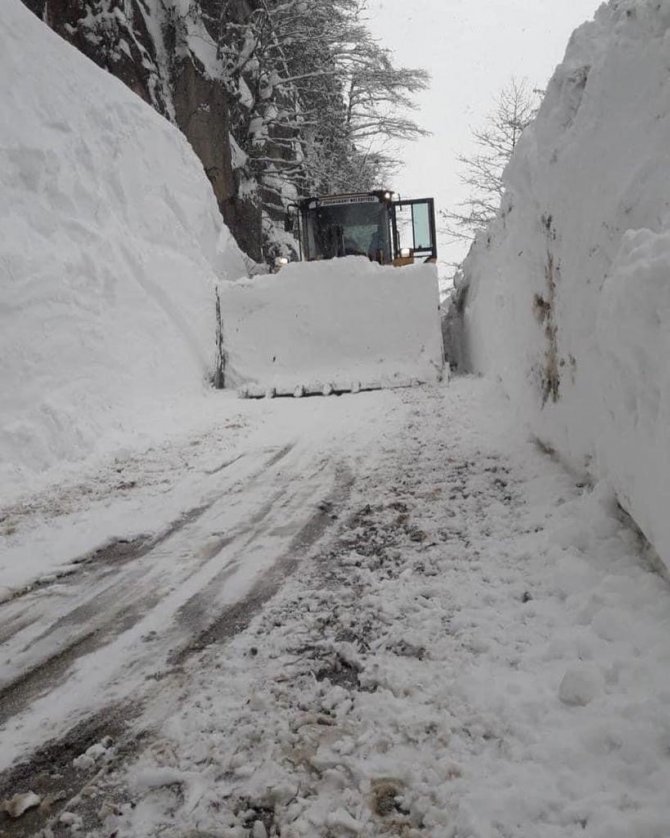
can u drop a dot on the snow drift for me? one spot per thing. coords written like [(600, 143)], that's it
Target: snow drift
[(568, 297), (110, 244), (340, 324)]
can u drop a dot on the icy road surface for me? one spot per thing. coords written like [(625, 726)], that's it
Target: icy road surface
[(381, 614)]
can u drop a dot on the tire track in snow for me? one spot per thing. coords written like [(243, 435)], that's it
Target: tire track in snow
[(237, 618), (295, 496), (112, 606)]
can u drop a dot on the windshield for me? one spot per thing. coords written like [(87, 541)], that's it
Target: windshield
[(349, 230)]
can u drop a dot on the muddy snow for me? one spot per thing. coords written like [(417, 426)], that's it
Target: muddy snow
[(396, 616)]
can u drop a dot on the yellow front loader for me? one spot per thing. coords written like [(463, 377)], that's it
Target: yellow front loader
[(343, 318)]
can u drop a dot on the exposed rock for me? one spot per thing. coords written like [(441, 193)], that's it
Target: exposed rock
[(202, 111), (144, 44)]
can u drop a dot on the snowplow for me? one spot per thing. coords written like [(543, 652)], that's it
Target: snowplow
[(358, 311)]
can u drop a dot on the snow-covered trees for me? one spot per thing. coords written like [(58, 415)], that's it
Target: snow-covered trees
[(279, 98), (324, 100)]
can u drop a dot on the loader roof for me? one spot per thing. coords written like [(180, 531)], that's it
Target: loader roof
[(377, 195)]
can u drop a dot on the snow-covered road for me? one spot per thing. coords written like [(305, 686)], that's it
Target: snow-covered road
[(114, 581), (381, 614)]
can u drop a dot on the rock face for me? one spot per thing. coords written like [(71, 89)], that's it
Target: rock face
[(202, 112), (153, 48)]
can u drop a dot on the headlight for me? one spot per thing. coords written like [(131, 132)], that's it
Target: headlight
[(405, 252)]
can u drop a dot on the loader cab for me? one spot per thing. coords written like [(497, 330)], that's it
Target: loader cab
[(368, 224)]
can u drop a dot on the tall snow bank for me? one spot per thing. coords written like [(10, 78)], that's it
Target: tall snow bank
[(110, 243), (568, 296)]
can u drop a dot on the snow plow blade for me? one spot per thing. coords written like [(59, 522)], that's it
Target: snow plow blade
[(331, 327)]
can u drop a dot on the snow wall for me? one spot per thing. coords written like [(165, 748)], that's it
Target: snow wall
[(567, 297), (342, 323), (110, 245)]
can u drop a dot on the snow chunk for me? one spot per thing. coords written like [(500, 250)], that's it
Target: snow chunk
[(341, 819), (581, 684), (71, 820), (20, 803), (93, 754)]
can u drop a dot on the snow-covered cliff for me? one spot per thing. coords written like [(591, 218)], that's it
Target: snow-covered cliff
[(110, 245), (567, 297)]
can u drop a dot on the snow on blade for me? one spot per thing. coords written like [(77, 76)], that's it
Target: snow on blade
[(332, 326), (110, 245)]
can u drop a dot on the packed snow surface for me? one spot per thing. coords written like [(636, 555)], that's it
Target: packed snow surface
[(474, 647), (569, 300), (340, 324), (110, 246)]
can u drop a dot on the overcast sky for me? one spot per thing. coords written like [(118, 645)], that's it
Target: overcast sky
[(472, 49)]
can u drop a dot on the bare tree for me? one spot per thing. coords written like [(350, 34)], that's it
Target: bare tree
[(482, 173)]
